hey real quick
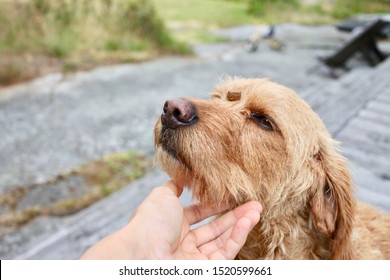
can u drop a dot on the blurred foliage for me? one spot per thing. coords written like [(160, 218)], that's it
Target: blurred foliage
[(193, 21), (59, 27), (313, 12), (75, 30), (260, 7), (347, 8)]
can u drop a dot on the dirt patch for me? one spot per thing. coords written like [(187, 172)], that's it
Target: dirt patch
[(72, 191), (16, 69)]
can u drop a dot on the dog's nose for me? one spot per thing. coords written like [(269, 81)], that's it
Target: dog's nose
[(178, 112)]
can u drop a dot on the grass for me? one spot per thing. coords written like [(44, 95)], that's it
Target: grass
[(348, 8), (191, 20), (313, 12), (101, 178), (78, 34)]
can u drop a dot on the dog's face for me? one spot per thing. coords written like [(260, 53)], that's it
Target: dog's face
[(247, 142), (253, 140)]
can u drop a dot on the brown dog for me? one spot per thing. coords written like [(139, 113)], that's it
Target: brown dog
[(257, 140)]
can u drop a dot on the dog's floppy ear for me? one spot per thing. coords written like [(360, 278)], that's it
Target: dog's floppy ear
[(333, 203)]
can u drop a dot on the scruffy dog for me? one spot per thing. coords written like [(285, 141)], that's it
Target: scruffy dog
[(257, 140)]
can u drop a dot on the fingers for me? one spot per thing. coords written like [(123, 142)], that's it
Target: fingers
[(212, 231), (239, 234)]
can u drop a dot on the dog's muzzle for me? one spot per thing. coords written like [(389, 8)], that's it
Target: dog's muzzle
[(178, 113)]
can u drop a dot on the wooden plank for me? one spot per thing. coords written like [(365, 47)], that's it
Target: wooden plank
[(379, 106), (367, 157), (384, 97), (370, 188), (375, 116), (340, 100), (363, 133)]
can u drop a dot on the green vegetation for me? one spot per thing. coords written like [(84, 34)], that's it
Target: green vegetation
[(100, 178), (73, 34), (313, 12), (192, 20), (347, 8), (261, 7)]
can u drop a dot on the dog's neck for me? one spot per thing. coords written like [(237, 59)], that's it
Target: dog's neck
[(285, 238)]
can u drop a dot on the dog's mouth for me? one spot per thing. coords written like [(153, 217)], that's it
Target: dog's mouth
[(169, 142), (186, 169), (168, 148)]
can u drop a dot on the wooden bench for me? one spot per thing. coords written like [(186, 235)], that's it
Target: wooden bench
[(363, 41), (349, 25)]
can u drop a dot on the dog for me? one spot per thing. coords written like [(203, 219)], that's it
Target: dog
[(258, 140)]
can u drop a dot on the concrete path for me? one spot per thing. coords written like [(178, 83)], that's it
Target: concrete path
[(56, 123)]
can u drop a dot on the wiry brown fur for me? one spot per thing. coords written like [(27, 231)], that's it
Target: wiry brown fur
[(294, 171)]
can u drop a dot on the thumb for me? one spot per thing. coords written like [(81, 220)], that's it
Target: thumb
[(171, 186)]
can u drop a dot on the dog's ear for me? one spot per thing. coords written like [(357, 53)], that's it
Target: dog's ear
[(333, 203)]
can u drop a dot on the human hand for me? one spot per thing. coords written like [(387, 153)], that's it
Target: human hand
[(160, 229)]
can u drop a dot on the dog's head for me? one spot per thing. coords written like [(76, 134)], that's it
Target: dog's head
[(257, 140)]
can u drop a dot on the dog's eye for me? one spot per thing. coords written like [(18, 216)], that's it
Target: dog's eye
[(262, 120)]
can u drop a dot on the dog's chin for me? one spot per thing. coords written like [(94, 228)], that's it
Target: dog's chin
[(169, 150), (168, 160), (184, 176)]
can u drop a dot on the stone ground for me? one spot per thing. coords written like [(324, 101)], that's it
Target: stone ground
[(58, 122)]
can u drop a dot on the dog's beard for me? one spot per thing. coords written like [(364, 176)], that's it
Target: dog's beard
[(209, 173), (205, 182), (182, 174), (167, 159)]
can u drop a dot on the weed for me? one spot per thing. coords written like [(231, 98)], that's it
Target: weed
[(100, 178)]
